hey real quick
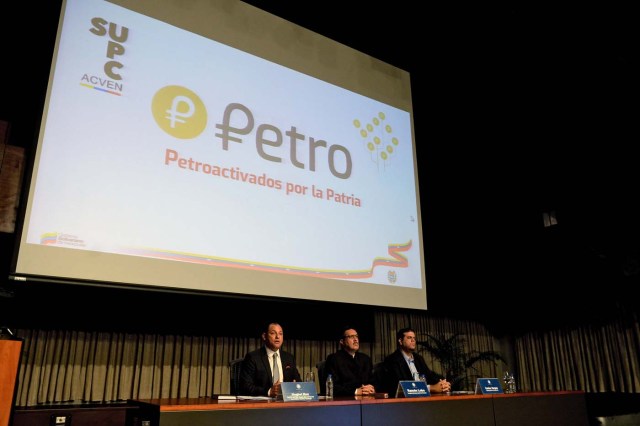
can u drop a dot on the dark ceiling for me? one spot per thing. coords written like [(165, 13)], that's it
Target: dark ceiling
[(518, 111)]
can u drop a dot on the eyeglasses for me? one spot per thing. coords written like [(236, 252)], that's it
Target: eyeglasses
[(351, 336)]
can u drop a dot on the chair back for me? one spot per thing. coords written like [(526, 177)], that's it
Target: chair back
[(234, 376), (322, 377), (379, 377)]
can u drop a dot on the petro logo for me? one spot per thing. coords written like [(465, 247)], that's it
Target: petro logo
[(179, 112), (182, 114)]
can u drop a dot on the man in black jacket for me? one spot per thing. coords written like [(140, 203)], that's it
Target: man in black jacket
[(406, 364), (351, 370), (264, 369)]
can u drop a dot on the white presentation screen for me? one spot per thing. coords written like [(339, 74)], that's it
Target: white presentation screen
[(212, 146)]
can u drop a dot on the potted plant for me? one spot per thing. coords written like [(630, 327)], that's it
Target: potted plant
[(458, 365)]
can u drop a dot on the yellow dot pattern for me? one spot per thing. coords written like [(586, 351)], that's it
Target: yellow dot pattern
[(383, 144)]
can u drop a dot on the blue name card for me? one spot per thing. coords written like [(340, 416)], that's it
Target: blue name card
[(299, 391), (412, 389), (488, 386)]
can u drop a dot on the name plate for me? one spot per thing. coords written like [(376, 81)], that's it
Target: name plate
[(488, 386), (412, 389), (299, 391)]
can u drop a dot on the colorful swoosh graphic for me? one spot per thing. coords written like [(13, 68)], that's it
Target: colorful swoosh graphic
[(396, 259)]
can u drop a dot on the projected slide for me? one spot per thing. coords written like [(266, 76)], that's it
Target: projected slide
[(163, 144)]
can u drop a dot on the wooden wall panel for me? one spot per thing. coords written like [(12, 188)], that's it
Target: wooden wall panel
[(9, 361), (11, 170)]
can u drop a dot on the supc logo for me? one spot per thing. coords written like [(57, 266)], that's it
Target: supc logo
[(115, 48)]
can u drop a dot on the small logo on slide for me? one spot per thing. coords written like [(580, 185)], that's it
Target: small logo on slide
[(392, 277), (378, 138), (179, 112), (60, 239)]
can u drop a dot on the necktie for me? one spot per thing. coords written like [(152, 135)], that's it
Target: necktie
[(276, 368), (414, 370)]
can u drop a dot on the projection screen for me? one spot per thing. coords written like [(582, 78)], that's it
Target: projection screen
[(212, 146)]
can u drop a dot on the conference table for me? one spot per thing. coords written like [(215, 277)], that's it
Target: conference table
[(521, 409)]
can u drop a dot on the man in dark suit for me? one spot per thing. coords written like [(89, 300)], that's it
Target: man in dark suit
[(351, 370), (406, 364), (264, 369)]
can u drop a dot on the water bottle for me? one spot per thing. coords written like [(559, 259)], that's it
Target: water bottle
[(505, 382), (512, 384), (509, 383), (329, 387)]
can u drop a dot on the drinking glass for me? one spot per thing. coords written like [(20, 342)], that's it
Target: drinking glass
[(310, 377)]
